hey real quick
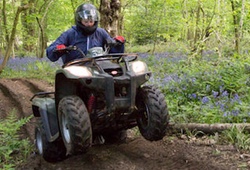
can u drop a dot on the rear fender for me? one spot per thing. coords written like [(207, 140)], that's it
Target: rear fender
[(46, 109)]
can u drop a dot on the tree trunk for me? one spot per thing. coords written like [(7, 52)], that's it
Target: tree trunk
[(236, 27), (217, 31), (29, 29), (207, 128), (12, 36), (110, 12), (5, 21), (242, 19), (197, 30), (41, 36)]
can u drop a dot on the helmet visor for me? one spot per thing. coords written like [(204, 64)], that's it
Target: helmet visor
[(90, 15)]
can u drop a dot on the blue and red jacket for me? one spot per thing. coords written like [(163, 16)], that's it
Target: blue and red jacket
[(74, 37)]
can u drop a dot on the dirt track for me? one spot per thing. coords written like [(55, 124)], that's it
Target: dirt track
[(136, 154)]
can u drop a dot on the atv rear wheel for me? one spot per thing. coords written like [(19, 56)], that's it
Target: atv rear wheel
[(50, 151), (75, 125), (153, 115)]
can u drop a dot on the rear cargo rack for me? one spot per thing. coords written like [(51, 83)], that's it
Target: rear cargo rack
[(42, 94)]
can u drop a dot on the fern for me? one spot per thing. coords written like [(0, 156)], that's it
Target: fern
[(13, 150)]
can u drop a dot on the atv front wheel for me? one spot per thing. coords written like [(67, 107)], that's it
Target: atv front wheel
[(153, 115), (50, 151), (75, 125)]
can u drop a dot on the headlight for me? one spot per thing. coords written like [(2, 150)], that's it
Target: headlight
[(79, 71), (138, 67)]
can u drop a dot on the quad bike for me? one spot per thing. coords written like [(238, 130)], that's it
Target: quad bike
[(99, 96)]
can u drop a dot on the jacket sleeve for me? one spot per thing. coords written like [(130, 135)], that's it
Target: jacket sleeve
[(117, 49), (62, 39)]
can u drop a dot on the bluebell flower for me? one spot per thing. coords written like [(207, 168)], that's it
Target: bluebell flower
[(215, 94), (222, 106), (193, 80), (236, 98), (225, 114), (167, 79), (194, 95), (205, 100), (224, 94), (235, 112)]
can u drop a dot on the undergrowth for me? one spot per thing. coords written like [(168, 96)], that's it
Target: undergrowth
[(13, 150)]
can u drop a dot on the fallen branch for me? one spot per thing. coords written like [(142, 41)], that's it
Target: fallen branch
[(207, 128)]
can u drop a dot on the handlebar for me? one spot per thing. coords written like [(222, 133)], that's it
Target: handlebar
[(70, 48)]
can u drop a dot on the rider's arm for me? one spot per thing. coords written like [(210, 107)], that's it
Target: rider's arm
[(116, 49), (62, 39)]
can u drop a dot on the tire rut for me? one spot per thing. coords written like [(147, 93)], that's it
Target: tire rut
[(16, 94)]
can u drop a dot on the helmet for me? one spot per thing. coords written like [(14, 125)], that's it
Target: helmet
[(87, 12)]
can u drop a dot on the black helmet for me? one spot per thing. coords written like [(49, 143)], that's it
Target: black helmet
[(86, 11)]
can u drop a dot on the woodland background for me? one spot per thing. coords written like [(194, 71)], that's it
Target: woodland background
[(28, 26), (198, 51)]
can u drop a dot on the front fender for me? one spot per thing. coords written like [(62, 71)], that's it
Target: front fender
[(75, 72)]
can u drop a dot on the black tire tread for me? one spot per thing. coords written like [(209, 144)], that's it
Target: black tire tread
[(52, 151), (158, 113), (79, 124)]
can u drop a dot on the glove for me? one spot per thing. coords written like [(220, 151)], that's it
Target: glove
[(60, 47), (120, 39)]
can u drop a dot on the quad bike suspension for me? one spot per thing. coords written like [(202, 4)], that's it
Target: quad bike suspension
[(91, 103)]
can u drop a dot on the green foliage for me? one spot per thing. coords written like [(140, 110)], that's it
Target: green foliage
[(201, 25), (238, 137), (207, 90), (162, 47), (145, 25), (42, 70), (13, 151)]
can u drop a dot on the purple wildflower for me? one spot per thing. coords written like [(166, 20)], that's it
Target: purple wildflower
[(205, 100), (224, 94), (215, 94), (235, 112)]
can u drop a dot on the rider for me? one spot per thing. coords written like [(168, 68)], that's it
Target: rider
[(85, 35)]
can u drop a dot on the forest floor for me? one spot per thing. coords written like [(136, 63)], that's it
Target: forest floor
[(175, 151)]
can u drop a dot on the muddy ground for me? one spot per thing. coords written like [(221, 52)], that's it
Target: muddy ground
[(175, 151)]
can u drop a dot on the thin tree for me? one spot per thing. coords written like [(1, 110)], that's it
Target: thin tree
[(28, 28), (238, 18), (236, 29), (5, 21), (12, 35), (41, 35)]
